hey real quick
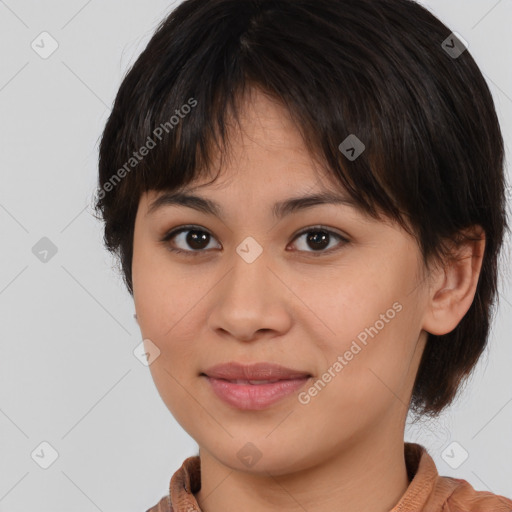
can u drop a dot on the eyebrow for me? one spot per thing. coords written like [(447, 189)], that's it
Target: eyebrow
[(279, 210)]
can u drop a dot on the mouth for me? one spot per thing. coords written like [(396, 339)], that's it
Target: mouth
[(255, 373), (254, 387), (252, 382)]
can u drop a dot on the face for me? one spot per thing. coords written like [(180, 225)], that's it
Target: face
[(322, 289)]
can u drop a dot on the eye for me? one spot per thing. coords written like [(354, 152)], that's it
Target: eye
[(319, 238), (198, 239)]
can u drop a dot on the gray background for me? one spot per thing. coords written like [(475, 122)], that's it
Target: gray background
[(68, 375)]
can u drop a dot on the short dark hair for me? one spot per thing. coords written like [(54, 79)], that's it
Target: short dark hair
[(377, 69)]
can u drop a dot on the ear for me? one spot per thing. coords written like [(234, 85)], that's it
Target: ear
[(453, 286)]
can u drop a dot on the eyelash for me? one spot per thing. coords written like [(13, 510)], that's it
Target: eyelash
[(174, 232)]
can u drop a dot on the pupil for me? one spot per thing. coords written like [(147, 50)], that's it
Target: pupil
[(194, 239), (322, 239)]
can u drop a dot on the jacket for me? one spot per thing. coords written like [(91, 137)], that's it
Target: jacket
[(427, 490)]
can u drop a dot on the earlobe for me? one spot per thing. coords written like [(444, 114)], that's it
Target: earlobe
[(453, 291)]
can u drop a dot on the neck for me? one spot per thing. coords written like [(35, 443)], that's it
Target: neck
[(370, 475)]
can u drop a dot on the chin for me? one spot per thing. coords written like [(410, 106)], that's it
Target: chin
[(261, 458)]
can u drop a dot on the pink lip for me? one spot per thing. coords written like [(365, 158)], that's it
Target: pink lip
[(254, 396), (254, 371)]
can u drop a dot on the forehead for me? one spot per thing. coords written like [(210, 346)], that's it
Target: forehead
[(266, 127), (266, 164), (265, 152), (268, 143)]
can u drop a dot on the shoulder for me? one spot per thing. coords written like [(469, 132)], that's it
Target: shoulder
[(164, 505), (465, 498), (429, 491)]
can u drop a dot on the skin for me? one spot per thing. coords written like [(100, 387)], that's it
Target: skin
[(344, 449)]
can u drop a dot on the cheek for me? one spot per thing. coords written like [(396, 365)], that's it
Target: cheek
[(168, 305), (154, 289), (369, 324), (362, 381), (349, 302)]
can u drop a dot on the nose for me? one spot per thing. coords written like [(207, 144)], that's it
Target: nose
[(251, 301)]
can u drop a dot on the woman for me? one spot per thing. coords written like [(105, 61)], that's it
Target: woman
[(307, 199)]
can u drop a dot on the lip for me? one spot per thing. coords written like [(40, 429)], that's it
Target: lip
[(254, 371), (222, 379)]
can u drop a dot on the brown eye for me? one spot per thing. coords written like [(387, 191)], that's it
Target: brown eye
[(197, 239), (318, 239), (187, 240), (193, 240)]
